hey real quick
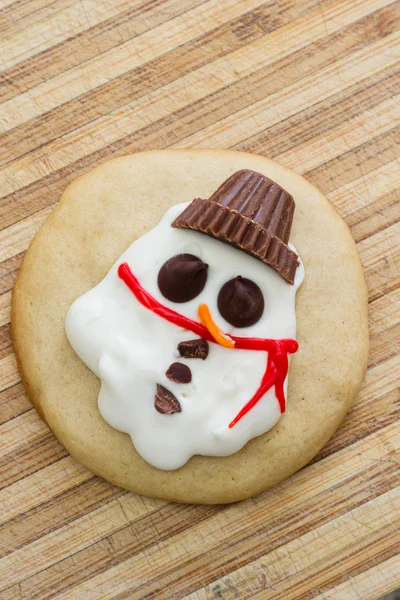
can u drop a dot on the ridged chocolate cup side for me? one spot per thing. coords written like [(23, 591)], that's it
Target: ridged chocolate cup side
[(232, 227), (260, 199)]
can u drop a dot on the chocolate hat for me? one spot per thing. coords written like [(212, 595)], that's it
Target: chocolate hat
[(251, 212)]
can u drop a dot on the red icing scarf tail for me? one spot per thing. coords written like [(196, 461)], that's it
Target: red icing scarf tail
[(278, 350)]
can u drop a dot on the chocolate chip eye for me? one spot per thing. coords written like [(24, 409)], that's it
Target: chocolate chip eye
[(182, 277), (240, 302)]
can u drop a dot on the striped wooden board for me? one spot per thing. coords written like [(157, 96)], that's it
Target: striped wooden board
[(312, 83)]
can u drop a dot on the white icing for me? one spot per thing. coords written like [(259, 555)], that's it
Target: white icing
[(130, 348)]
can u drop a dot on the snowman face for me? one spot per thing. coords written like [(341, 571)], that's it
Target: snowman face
[(133, 350)]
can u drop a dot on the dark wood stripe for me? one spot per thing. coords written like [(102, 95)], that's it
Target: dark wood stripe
[(17, 5), (8, 271), (89, 44), (376, 216), (233, 552), (362, 421), (384, 345), (6, 347), (316, 120), (141, 535), (13, 402), (20, 15), (385, 276), (367, 559), (138, 82), (212, 108), (57, 512), (29, 458), (237, 551), (347, 167)]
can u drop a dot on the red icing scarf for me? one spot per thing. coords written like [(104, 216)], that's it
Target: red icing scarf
[(278, 350)]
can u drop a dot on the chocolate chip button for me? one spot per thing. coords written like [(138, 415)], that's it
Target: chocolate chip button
[(165, 402), (179, 373), (194, 349), (241, 302), (182, 278)]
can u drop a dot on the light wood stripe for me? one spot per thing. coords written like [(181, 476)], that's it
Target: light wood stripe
[(365, 587), (344, 137), (8, 271), (41, 35), (23, 429), (8, 372), (15, 239), (200, 83), (315, 85), (384, 313), (96, 40), (37, 195), (328, 113), (364, 189), (13, 402), (26, 14), (374, 250), (360, 524), (132, 55), (282, 105), (204, 538), (59, 544), (235, 519), (43, 485), (301, 557), (5, 308)]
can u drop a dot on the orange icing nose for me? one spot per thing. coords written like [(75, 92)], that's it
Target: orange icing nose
[(218, 335)]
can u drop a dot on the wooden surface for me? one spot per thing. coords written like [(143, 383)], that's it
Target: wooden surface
[(312, 83)]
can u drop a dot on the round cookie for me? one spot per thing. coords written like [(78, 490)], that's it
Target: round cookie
[(98, 217)]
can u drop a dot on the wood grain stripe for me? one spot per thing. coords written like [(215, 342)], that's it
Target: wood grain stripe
[(41, 486), (383, 313), (13, 402), (30, 457), (365, 586), (8, 372), (8, 273), (55, 546), (16, 16), (5, 308), (382, 276), (338, 141), (134, 55), (97, 40), (138, 79), (56, 28), (314, 88), (55, 513), (181, 554), (15, 239), (360, 191), (23, 429), (360, 524), (374, 217), (318, 119), (85, 143)]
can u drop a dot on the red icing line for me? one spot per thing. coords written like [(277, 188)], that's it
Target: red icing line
[(278, 350)]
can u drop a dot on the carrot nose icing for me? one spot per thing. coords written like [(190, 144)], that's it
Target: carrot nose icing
[(221, 338), (278, 350)]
